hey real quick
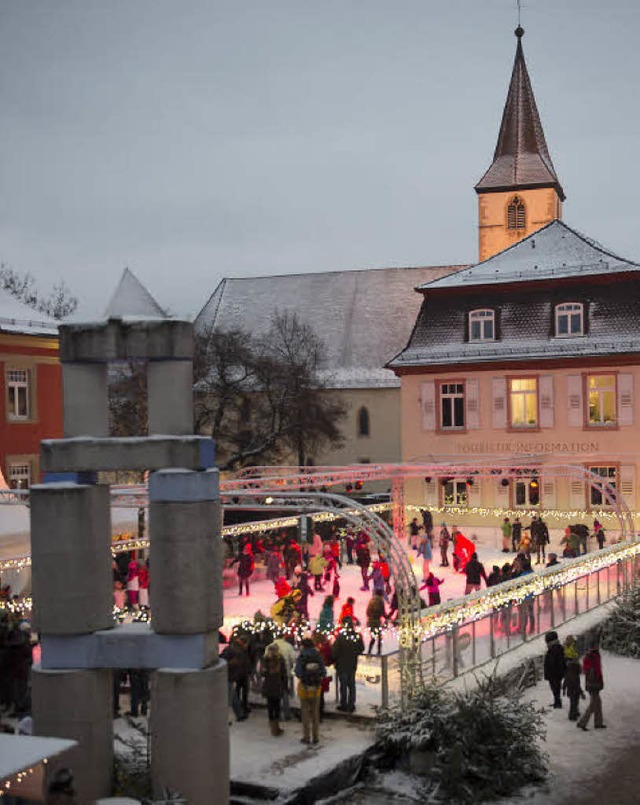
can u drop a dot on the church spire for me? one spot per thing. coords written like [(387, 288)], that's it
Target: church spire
[(521, 159)]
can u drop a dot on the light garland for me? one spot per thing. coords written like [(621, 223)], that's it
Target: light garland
[(496, 512), (16, 779)]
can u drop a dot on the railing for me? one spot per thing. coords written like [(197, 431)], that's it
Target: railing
[(514, 613)]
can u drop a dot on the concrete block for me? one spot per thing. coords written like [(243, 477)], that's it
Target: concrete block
[(124, 339), (186, 567), (127, 453), (170, 397), (78, 705), (183, 486), (190, 711), (85, 394), (71, 558), (129, 645)]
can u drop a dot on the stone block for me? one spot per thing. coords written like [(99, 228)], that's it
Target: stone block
[(127, 453), (129, 645), (183, 486), (78, 705), (190, 711), (85, 394), (170, 397), (122, 340), (72, 581), (186, 567)]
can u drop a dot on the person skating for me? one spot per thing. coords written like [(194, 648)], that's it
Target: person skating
[(310, 671), (325, 620), (246, 566), (317, 564), (571, 683), (594, 683), (274, 682), (348, 646), (375, 613), (414, 531), (445, 539), (495, 577), (474, 571), (540, 538), (432, 586), (516, 534), (363, 558), (347, 611), (506, 529), (554, 666)]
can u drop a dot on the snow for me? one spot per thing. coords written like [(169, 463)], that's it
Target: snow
[(16, 317), (132, 299), (20, 752)]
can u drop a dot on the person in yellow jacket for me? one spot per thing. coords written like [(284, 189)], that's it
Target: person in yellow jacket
[(317, 564)]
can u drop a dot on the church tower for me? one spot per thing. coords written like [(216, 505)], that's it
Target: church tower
[(520, 192)]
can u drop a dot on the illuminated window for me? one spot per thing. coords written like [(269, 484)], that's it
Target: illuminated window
[(527, 492), (523, 402), (19, 476), (609, 475), (451, 405), (569, 319), (482, 325), (18, 394), (363, 422), (455, 492), (602, 400), (516, 218)]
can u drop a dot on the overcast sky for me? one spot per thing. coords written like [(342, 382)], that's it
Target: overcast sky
[(196, 139)]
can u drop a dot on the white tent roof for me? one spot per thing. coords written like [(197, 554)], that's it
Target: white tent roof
[(21, 752)]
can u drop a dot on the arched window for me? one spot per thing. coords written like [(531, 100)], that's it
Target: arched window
[(516, 218), (482, 325), (363, 421), (569, 319)]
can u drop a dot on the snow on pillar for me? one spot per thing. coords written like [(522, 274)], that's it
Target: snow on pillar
[(86, 406), (170, 397)]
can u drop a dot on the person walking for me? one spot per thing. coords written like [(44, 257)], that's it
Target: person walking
[(288, 654), (571, 684), (274, 682), (554, 666), (347, 647), (594, 683), (445, 539), (475, 572), (375, 614), (310, 671)]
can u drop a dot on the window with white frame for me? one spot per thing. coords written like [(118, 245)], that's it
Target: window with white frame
[(454, 492), (601, 392), (19, 476), (609, 475), (451, 406), (482, 325), (18, 402), (569, 319), (523, 402)]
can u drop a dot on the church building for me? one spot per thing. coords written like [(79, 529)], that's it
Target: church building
[(534, 351)]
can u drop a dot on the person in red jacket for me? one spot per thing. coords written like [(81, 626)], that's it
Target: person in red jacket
[(594, 683)]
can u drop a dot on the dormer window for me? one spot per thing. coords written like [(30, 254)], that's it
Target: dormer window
[(482, 325), (569, 319), (516, 218)]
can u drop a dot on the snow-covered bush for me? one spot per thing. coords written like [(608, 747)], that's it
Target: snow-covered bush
[(621, 632), (484, 745)]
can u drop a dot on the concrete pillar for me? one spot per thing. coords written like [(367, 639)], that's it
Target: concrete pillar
[(72, 580), (86, 406), (170, 397), (190, 734), (78, 705)]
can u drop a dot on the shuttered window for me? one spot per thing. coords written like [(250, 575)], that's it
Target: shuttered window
[(516, 217)]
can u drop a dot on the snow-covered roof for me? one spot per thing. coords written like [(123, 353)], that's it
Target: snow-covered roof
[(132, 299), (364, 317), (554, 252), (16, 317), (21, 752)]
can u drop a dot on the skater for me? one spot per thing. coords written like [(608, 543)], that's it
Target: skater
[(133, 584), (598, 533), (347, 611), (516, 534), (506, 529), (325, 621), (495, 577), (427, 556), (432, 586), (350, 544), (571, 683), (310, 671), (363, 558), (317, 564), (554, 666), (414, 531), (274, 565), (274, 682), (375, 614), (593, 682), (474, 571), (246, 566), (143, 585), (540, 538), (445, 539)]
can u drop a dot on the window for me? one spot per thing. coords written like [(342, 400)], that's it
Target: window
[(609, 475), (19, 476), (601, 390), (516, 218), (523, 402), (569, 319), (363, 422), (452, 405), (482, 325), (18, 394), (527, 492), (455, 492)]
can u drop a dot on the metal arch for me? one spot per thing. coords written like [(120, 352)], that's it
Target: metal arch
[(386, 543)]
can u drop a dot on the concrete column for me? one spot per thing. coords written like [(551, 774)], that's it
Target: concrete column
[(78, 705), (170, 397), (190, 735), (86, 407), (72, 580)]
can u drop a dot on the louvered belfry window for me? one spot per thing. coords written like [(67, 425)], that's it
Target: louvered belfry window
[(516, 214)]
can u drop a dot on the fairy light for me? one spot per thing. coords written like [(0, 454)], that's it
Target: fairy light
[(498, 512)]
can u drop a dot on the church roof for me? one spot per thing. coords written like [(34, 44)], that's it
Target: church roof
[(554, 252), (16, 317), (131, 298), (364, 317), (521, 159)]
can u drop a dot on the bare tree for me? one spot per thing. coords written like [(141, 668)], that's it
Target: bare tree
[(58, 305)]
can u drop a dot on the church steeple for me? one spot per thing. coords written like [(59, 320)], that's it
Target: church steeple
[(525, 191)]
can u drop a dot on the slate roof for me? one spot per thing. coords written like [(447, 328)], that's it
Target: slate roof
[(364, 317), (16, 317), (132, 299), (521, 159)]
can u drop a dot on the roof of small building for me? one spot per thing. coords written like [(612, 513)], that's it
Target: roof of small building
[(364, 317), (557, 251), (132, 299), (521, 159), (16, 317)]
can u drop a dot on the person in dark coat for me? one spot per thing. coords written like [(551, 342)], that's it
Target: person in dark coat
[(310, 671), (474, 571), (594, 683), (274, 683), (246, 566), (495, 577), (363, 558), (237, 671), (571, 684), (375, 614), (554, 666), (348, 646)]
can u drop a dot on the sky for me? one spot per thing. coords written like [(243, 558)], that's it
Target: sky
[(192, 140)]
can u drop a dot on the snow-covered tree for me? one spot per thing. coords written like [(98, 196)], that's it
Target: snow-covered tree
[(59, 304)]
